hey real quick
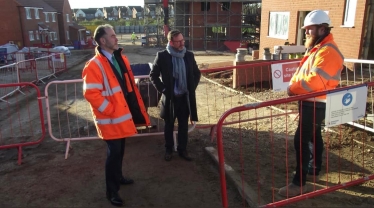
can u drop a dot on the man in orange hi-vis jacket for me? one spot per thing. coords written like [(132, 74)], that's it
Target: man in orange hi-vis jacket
[(319, 70), (115, 102)]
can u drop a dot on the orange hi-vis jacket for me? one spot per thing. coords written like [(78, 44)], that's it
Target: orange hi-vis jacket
[(319, 70), (110, 110)]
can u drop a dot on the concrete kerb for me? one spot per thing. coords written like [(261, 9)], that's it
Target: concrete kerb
[(243, 188)]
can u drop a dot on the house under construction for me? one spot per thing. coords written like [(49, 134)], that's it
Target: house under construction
[(206, 24)]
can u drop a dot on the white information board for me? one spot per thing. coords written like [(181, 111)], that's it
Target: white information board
[(345, 106), (282, 74)]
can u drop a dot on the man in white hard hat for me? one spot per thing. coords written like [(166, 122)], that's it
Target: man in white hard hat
[(319, 70)]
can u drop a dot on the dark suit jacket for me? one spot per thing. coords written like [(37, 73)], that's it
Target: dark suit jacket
[(163, 67)]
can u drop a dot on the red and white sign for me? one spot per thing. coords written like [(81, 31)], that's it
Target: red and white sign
[(282, 74)]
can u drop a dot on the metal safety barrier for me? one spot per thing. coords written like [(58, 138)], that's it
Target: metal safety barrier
[(257, 145), (8, 75), (70, 119), (18, 127), (45, 68)]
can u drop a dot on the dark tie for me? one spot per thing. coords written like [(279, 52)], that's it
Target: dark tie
[(115, 63)]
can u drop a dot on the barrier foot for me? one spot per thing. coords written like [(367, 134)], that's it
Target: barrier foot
[(67, 149), (41, 81), (19, 155), (4, 101), (20, 91)]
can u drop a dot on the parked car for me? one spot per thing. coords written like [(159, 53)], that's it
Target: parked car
[(63, 49)]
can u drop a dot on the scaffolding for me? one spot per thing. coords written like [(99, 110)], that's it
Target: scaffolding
[(206, 24)]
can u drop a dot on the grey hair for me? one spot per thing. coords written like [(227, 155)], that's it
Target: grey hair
[(100, 32)]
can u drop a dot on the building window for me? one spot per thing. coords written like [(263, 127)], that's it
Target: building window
[(350, 13), (225, 6), (53, 17), (37, 34), (28, 14), (205, 6), (55, 38), (278, 24), (67, 18), (46, 16), (36, 14), (50, 36), (67, 35), (31, 35)]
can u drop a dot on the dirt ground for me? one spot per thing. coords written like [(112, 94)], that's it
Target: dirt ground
[(46, 179)]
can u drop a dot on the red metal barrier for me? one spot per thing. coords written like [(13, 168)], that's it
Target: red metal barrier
[(250, 80), (27, 71), (261, 162), (17, 125)]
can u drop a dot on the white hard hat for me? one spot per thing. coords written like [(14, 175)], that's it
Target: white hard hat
[(316, 17)]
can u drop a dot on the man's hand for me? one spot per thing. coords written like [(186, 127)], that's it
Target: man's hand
[(289, 93)]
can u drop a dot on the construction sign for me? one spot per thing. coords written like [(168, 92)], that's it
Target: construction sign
[(345, 106), (282, 74)]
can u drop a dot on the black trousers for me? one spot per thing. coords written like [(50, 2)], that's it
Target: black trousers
[(113, 165), (309, 130), (181, 113)]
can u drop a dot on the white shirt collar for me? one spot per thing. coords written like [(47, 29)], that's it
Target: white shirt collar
[(107, 55)]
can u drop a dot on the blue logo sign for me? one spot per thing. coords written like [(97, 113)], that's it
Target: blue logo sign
[(347, 99)]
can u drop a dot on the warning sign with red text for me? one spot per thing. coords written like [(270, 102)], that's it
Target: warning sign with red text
[(282, 74)]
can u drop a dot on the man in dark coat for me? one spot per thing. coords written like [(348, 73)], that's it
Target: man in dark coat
[(179, 79)]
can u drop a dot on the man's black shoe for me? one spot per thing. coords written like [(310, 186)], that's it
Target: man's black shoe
[(126, 181), (184, 154), (114, 198), (168, 155)]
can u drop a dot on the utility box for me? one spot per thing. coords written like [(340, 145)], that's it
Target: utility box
[(149, 94)]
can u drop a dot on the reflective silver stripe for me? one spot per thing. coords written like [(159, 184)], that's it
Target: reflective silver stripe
[(305, 86), (337, 76), (114, 121), (92, 86), (336, 49), (328, 44), (325, 75), (103, 105), (105, 78), (114, 90)]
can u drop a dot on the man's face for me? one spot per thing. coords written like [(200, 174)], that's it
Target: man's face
[(312, 34), (177, 42), (109, 40)]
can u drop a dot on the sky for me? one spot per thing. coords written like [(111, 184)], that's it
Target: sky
[(103, 3)]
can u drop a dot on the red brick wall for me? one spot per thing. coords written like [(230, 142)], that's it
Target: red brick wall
[(64, 25), (33, 25), (10, 27), (349, 40), (215, 16)]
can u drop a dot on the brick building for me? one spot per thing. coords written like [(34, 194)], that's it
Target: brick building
[(352, 22), (207, 24), (35, 22), (64, 17)]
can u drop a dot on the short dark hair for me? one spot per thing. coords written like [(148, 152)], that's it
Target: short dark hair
[(100, 32), (173, 33)]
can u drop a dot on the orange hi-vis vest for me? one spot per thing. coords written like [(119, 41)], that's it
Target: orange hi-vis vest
[(111, 113), (319, 70)]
